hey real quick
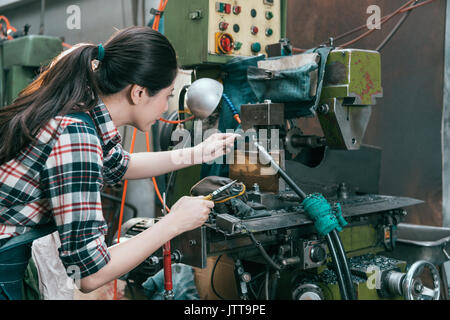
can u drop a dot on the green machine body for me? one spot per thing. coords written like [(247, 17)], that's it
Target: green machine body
[(21, 59)]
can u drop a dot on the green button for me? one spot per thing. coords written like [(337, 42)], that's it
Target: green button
[(269, 15), (256, 47), (269, 32), (237, 45), (220, 7)]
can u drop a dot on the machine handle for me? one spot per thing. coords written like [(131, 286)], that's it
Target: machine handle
[(413, 289), (445, 252)]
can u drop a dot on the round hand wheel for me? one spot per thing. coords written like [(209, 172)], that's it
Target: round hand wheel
[(413, 288)]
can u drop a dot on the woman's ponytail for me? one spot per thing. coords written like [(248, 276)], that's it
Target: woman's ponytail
[(67, 85), (75, 79)]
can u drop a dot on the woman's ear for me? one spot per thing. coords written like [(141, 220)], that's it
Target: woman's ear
[(136, 93)]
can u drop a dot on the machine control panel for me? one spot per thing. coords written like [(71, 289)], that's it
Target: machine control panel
[(243, 27)]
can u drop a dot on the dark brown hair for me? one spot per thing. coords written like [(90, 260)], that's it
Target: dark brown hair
[(136, 55)]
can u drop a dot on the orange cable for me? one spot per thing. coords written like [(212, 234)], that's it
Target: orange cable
[(122, 205), (133, 140), (161, 8), (402, 9), (8, 27), (176, 121), (383, 20), (416, 6), (364, 25), (166, 247)]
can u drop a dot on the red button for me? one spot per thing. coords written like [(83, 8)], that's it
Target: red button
[(228, 8), (226, 43), (255, 30), (223, 26), (237, 9)]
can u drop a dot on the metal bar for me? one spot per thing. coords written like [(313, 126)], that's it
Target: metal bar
[(282, 173), (446, 127), (41, 28), (445, 132), (2, 77)]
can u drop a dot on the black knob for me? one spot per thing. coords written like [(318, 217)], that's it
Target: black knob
[(317, 254)]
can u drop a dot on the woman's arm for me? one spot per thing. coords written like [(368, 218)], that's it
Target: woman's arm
[(152, 164), (187, 213)]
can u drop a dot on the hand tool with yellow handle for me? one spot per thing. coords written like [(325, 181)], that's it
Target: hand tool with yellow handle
[(218, 191)]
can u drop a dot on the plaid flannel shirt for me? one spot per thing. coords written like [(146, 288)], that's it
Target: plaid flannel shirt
[(59, 179)]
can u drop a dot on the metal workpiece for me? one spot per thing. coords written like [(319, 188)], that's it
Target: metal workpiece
[(249, 169), (286, 178), (262, 115)]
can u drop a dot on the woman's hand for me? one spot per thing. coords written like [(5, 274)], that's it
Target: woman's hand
[(215, 146), (189, 213), (186, 214)]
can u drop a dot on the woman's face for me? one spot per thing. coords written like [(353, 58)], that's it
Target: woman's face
[(151, 108)]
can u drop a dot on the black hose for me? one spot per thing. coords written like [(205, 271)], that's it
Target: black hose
[(212, 279), (263, 252), (282, 173), (181, 101), (339, 261), (337, 268), (344, 264)]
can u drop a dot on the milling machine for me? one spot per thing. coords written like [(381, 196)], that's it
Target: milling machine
[(278, 239), (276, 250)]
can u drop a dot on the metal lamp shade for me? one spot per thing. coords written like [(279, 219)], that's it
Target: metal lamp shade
[(203, 97)]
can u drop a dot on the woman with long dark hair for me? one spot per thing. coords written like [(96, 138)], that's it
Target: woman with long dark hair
[(54, 161)]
